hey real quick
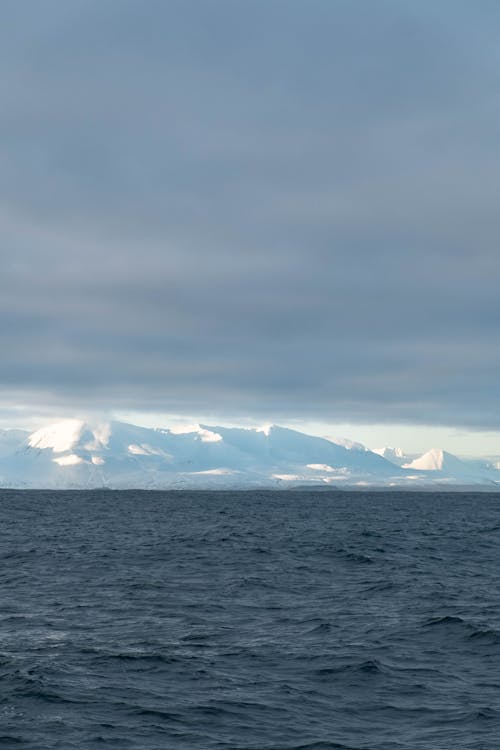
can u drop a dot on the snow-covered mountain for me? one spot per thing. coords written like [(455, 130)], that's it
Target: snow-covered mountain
[(74, 454), (438, 460), (443, 464)]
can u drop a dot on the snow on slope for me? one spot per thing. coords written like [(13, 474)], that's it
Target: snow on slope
[(77, 454)]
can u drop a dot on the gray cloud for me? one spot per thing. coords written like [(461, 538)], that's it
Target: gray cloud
[(279, 209)]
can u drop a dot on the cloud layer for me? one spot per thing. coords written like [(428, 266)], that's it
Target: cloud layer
[(280, 209)]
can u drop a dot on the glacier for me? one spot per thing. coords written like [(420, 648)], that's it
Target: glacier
[(77, 454)]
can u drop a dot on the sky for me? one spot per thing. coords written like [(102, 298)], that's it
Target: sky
[(252, 211)]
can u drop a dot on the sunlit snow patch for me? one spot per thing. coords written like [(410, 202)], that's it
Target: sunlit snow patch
[(147, 450), (321, 467), (61, 437), (70, 460), (266, 429), (336, 473), (207, 436), (101, 435), (215, 472), (433, 460)]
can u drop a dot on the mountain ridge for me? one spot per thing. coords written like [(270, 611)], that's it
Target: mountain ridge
[(79, 454)]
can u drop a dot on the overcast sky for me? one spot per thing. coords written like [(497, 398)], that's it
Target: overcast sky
[(274, 210)]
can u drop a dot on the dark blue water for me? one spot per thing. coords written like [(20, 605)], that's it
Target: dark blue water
[(249, 621)]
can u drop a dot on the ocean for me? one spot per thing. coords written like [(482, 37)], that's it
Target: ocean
[(249, 621)]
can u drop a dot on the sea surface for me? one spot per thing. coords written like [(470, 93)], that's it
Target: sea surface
[(249, 621)]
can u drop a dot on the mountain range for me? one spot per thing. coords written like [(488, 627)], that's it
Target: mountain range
[(74, 454)]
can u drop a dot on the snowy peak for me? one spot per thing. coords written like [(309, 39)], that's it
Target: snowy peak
[(436, 460), (446, 466), (64, 436)]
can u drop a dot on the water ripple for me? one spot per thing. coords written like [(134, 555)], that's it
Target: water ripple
[(264, 621)]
